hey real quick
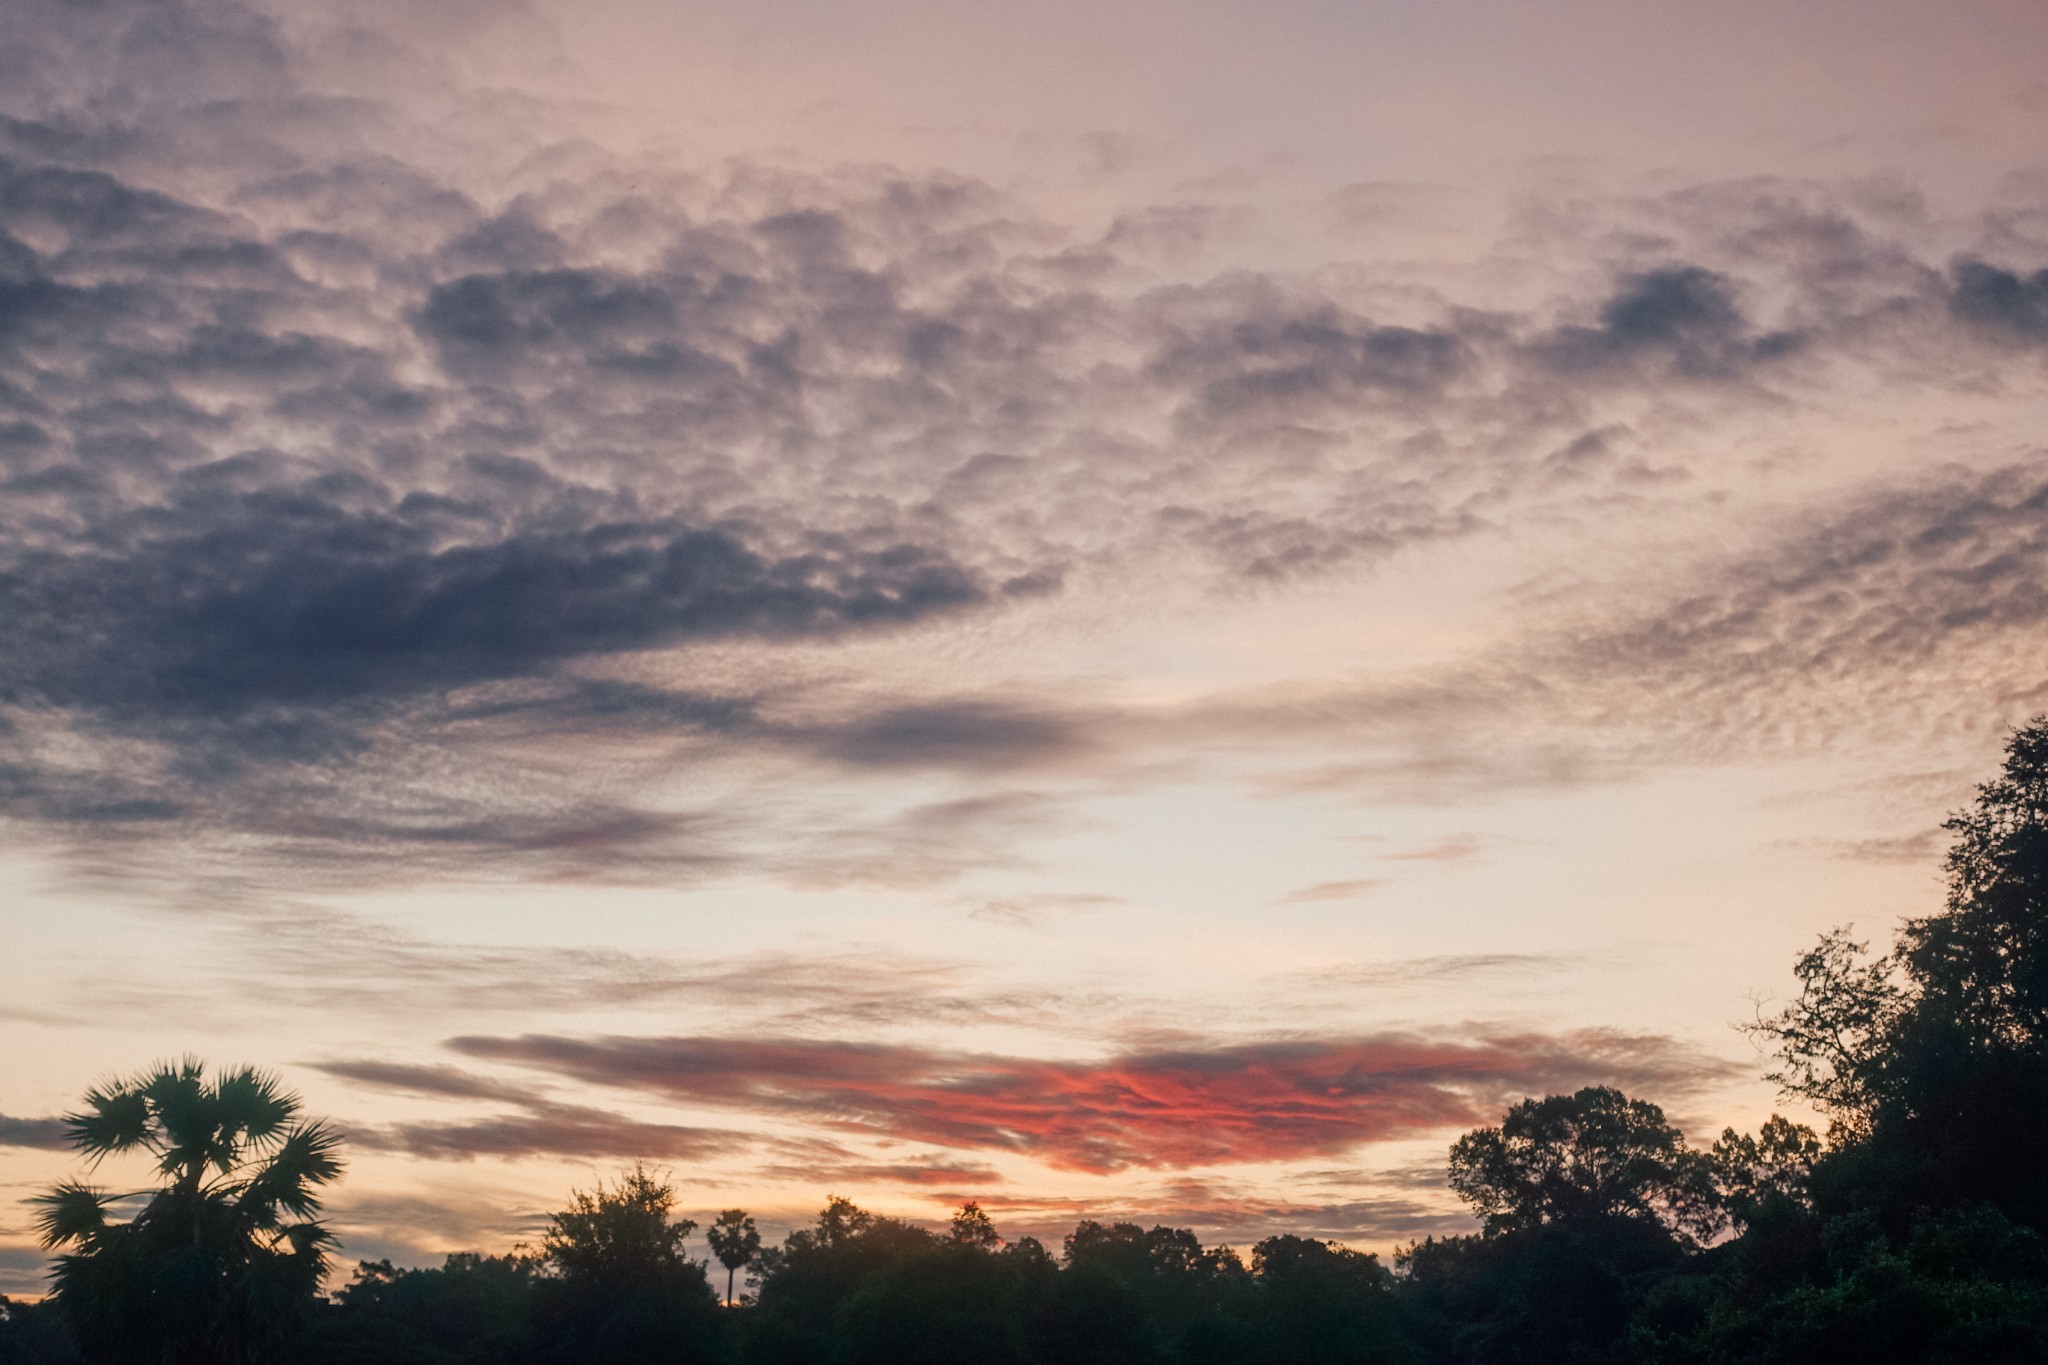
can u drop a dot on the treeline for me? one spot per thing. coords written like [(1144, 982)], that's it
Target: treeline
[(1910, 1230)]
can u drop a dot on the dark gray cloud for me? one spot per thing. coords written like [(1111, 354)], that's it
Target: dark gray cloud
[(442, 1082), (2001, 301), (993, 735), (285, 595), (24, 1271), (50, 1135), (1685, 318)]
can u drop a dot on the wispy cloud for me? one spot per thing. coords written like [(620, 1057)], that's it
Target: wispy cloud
[(1183, 1107)]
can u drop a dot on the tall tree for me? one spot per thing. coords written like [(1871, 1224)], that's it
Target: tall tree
[(627, 1293), (971, 1228), (223, 1262), (1933, 1059), (619, 1234), (1594, 1154), (735, 1241)]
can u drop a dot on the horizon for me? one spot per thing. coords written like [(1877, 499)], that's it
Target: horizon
[(1116, 611)]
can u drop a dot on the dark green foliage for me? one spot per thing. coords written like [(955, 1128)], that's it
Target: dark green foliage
[(473, 1310), (1960, 1288), (622, 1290), (807, 1281), (1753, 1174), (1562, 1291), (1575, 1158), (1180, 1294), (222, 1263), (951, 1303), (1319, 1304), (34, 1334), (1933, 1059)]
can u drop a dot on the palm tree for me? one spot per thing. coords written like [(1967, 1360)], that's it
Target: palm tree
[(222, 1262), (736, 1242)]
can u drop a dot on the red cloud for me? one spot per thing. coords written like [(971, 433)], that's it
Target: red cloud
[(1186, 1107)]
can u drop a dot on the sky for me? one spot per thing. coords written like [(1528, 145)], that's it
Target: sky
[(1128, 610)]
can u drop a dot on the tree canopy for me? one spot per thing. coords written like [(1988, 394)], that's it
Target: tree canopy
[(1572, 1158)]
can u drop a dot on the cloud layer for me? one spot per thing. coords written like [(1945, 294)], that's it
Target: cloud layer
[(1169, 1108), (333, 478)]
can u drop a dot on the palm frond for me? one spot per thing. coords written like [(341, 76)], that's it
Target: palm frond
[(186, 1115), (306, 1158), (115, 1119), (253, 1103), (306, 1239), (71, 1212)]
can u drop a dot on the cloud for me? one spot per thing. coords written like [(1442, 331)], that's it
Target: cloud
[(545, 1128), (371, 969), (986, 735), (550, 1131), (24, 1271), (442, 1082), (1332, 891), (817, 1163), (50, 1135), (1425, 970), (1999, 301), (1921, 849), (1684, 318), (342, 459), (1179, 1107)]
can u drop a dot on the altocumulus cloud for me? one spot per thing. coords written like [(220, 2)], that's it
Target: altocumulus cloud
[(317, 460)]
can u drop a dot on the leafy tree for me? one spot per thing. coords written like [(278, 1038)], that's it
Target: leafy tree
[(1129, 1293), (735, 1241), (627, 1292), (471, 1310), (807, 1282), (1596, 1154), (618, 1235), (1932, 1060), (1320, 1304), (953, 1302), (1562, 1291), (972, 1228), (222, 1264), (1831, 1042), (1775, 1165)]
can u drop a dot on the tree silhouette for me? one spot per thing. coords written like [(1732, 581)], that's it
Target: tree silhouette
[(1595, 1154), (627, 1292), (1932, 1060), (971, 1228), (223, 1262), (618, 1235), (735, 1241)]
